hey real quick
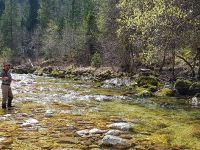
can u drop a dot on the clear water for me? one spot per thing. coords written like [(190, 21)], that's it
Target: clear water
[(159, 123)]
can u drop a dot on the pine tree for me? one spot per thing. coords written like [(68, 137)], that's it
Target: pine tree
[(10, 24), (33, 15)]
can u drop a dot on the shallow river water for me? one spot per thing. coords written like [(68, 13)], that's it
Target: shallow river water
[(62, 114)]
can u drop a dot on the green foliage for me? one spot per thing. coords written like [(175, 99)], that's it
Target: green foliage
[(194, 88), (164, 26), (10, 24), (147, 57), (2, 7), (6, 55), (44, 12), (182, 86), (33, 14), (146, 30), (96, 60), (51, 41)]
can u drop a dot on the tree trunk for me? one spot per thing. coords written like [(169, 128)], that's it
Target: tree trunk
[(163, 61), (173, 79), (191, 67), (198, 52)]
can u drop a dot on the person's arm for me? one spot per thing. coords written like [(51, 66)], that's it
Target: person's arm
[(16, 80), (4, 78)]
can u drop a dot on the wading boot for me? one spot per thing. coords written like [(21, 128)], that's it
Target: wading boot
[(9, 103), (3, 106)]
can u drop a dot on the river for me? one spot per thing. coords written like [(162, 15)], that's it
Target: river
[(60, 114)]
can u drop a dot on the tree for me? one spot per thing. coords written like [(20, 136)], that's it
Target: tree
[(2, 6), (10, 24), (160, 25), (112, 49), (33, 15)]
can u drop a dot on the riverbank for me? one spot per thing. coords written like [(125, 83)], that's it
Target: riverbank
[(145, 83)]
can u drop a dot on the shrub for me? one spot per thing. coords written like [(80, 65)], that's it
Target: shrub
[(96, 60), (194, 88)]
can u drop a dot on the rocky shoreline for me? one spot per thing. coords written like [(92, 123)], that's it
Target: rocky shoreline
[(144, 84)]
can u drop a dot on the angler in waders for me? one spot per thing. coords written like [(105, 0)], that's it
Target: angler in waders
[(6, 78)]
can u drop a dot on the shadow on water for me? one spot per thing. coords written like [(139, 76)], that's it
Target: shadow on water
[(165, 103)]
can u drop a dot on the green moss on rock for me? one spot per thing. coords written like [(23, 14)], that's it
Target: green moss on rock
[(58, 73), (165, 92), (143, 92), (148, 81)]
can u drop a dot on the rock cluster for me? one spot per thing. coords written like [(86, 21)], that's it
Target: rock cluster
[(112, 137)]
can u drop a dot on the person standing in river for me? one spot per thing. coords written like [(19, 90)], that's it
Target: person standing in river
[(6, 78)]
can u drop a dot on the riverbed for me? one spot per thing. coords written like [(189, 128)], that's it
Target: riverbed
[(63, 114)]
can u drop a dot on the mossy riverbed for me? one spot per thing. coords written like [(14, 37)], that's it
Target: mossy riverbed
[(60, 108)]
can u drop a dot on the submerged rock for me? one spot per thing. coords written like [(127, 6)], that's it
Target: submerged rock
[(26, 124), (6, 141), (113, 132), (48, 113), (68, 140), (6, 117), (96, 131), (3, 118), (32, 121), (121, 126), (20, 115), (115, 141), (86, 132), (83, 133)]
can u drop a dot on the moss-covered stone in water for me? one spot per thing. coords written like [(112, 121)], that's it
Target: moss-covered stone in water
[(58, 73), (194, 88), (182, 86), (148, 81), (143, 92), (153, 88), (165, 92)]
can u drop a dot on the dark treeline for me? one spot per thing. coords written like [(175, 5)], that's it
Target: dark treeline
[(117, 33)]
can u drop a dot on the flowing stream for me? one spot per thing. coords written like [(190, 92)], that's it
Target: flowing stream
[(62, 114)]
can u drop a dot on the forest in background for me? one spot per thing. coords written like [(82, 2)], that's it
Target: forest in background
[(128, 34)]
